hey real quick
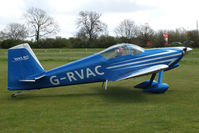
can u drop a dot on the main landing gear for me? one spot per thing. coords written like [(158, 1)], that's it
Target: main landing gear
[(105, 85), (15, 94), (154, 86)]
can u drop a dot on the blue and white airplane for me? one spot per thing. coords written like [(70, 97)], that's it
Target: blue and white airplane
[(118, 62)]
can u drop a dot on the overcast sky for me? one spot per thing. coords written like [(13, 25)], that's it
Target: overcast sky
[(159, 14)]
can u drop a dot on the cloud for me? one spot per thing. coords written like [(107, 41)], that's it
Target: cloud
[(43, 4), (169, 14), (114, 6), (10, 11)]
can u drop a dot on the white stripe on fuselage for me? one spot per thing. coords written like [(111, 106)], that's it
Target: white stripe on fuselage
[(146, 60), (164, 61), (170, 51)]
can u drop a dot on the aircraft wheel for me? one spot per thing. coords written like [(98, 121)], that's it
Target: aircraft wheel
[(13, 96)]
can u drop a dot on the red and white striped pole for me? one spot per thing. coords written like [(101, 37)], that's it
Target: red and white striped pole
[(165, 38)]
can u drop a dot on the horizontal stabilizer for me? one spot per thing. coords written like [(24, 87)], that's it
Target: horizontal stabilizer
[(141, 72), (33, 78)]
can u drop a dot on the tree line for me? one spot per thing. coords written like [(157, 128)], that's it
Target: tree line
[(91, 33)]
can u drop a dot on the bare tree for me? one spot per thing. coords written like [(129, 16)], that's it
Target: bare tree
[(15, 31), (177, 35), (159, 40), (146, 33), (89, 25), (41, 23), (1, 36), (127, 29)]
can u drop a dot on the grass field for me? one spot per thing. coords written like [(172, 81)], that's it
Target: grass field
[(90, 109)]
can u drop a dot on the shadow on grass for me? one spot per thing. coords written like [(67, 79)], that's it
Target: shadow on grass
[(122, 94), (113, 94)]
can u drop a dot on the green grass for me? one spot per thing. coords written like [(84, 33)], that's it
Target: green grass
[(89, 109)]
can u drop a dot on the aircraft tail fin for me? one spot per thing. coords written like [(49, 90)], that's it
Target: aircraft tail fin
[(23, 65)]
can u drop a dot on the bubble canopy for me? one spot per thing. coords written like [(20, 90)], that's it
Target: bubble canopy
[(121, 50)]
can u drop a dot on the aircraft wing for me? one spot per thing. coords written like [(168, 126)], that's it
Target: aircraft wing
[(33, 78), (141, 72)]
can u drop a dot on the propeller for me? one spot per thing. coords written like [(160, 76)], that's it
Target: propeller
[(186, 43), (186, 48)]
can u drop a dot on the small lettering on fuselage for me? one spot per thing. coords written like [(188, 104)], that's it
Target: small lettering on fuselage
[(84, 73)]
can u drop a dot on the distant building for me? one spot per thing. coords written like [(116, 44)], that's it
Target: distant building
[(58, 37)]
